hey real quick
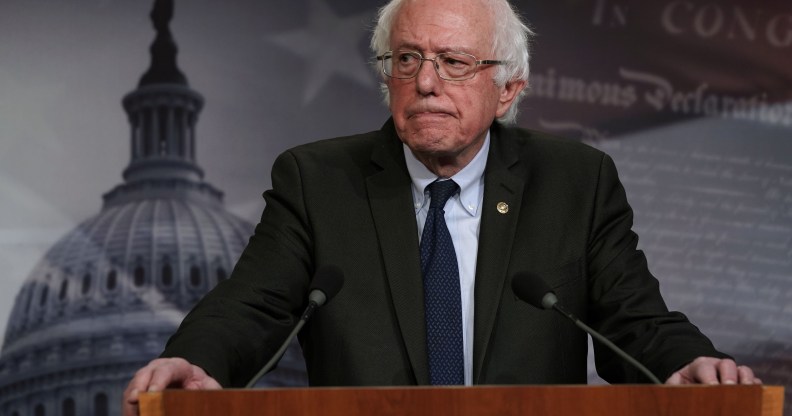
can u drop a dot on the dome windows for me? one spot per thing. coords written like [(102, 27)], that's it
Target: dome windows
[(64, 289), (139, 276), (101, 407), (60, 292), (110, 284), (86, 283), (195, 276), (43, 295), (139, 273), (68, 407), (219, 268), (195, 273), (166, 273), (112, 280), (30, 291)]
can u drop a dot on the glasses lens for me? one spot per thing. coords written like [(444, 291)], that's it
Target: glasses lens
[(455, 66), (401, 64)]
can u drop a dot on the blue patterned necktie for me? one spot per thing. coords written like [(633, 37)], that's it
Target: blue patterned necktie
[(442, 298)]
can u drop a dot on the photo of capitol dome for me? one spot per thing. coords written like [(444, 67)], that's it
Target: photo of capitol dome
[(127, 192), (105, 298)]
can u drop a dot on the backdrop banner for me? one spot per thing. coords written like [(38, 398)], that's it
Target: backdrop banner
[(107, 239)]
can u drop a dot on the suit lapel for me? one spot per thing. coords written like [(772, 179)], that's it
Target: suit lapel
[(391, 206), (496, 235)]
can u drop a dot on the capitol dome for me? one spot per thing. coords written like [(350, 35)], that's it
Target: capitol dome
[(105, 298)]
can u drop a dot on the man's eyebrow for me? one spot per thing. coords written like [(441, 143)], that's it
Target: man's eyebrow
[(408, 46), (445, 49)]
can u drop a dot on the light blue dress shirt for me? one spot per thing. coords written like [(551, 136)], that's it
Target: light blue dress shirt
[(463, 217)]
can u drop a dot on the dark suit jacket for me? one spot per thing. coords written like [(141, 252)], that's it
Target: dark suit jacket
[(347, 202)]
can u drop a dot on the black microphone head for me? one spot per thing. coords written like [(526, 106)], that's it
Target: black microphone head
[(534, 290), (328, 280)]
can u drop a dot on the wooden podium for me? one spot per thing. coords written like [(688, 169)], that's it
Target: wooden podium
[(640, 400)]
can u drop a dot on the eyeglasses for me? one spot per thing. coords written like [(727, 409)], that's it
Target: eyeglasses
[(450, 66)]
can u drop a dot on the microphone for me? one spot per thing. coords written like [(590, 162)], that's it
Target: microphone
[(535, 291), (326, 283)]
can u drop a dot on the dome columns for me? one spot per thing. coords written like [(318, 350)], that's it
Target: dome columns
[(162, 121)]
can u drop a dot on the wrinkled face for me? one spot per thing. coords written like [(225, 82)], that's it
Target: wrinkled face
[(438, 118)]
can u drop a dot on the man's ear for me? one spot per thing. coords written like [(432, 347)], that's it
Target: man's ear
[(508, 94)]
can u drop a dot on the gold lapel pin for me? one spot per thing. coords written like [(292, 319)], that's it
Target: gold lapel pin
[(503, 207)]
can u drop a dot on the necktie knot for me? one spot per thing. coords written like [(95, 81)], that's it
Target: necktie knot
[(440, 191)]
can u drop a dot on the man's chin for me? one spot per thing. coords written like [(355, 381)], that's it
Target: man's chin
[(430, 132), (431, 147), (428, 141)]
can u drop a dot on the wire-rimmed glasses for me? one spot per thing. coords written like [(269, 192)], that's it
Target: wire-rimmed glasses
[(450, 66)]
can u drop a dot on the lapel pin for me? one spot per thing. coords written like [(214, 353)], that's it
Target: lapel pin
[(503, 207)]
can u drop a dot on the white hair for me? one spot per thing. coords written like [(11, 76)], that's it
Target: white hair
[(510, 42)]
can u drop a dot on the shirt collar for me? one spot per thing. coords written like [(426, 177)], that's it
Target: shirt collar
[(470, 179)]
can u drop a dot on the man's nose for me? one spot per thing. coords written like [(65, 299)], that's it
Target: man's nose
[(427, 80)]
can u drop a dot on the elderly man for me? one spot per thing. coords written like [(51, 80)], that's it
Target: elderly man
[(429, 218)]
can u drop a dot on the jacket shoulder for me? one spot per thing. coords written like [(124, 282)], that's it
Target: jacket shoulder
[(539, 147)]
